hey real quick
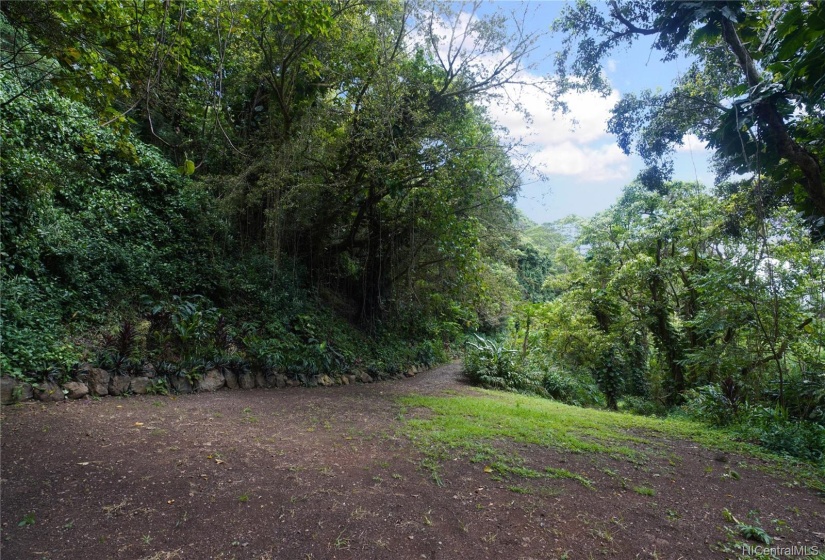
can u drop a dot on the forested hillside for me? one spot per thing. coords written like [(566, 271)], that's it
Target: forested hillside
[(295, 186), (307, 189)]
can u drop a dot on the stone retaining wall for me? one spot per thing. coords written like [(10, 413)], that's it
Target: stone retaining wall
[(96, 382)]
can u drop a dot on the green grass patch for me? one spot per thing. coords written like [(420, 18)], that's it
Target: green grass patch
[(473, 423), (644, 490), (508, 469), (476, 426), (564, 473)]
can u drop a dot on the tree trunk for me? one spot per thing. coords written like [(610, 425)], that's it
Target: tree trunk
[(664, 333)]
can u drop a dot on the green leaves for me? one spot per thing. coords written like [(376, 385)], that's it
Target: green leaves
[(490, 363), (754, 533), (188, 167), (798, 51), (658, 295), (96, 218)]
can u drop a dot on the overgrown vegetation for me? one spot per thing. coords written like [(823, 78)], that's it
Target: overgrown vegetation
[(100, 238), (306, 188), (181, 194), (679, 299), (657, 307)]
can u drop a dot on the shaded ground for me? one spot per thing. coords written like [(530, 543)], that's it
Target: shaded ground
[(328, 473)]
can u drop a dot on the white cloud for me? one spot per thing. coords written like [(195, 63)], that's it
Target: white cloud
[(584, 162), (692, 144), (575, 144)]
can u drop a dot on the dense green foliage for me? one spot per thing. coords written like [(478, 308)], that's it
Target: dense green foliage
[(680, 300), (325, 135), (658, 306), (678, 296), (97, 229), (88, 220), (290, 187)]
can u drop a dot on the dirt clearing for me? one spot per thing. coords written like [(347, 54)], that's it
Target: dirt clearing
[(331, 473)]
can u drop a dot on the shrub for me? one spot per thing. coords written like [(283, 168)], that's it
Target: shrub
[(775, 430), (712, 404), (491, 364), (119, 351), (643, 406), (569, 389), (392, 357), (263, 354), (430, 353), (33, 340), (157, 386), (804, 394), (559, 386)]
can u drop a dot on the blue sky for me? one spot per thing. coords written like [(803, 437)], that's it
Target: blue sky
[(585, 170)]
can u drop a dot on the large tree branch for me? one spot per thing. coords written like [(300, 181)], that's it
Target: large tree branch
[(775, 125), (759, 362), (631, 27)]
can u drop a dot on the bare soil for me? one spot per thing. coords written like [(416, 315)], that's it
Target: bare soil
[(326, 473)]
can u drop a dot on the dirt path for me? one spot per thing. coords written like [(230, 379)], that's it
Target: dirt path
[(325, 473)]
